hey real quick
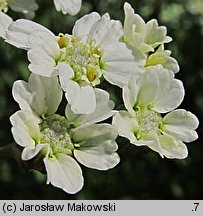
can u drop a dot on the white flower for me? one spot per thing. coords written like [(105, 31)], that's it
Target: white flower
[(79, 59), (71, 7), (26, 7), (143, 38), (146, 98), (59, 140)]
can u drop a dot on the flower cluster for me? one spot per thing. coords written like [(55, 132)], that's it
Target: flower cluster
[(131, 56)]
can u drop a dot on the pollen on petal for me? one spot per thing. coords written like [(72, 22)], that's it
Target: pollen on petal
[(62, 41), (91, 74)]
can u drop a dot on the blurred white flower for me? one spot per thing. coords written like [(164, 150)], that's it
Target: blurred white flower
[(59, 140), (27, 7), (3, 5), (146, 98), (80, 59), (71, 7)]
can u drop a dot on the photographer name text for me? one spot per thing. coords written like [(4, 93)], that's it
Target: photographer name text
[(71, 207)]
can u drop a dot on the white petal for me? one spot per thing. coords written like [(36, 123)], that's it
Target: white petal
[(29, 153), (98, 157), (97, 146), (154, 144), (132, 19), (25, 128), (173, 148), (93, 131), (130, 93), (148, 88), (71, 7), (119, 64), (84, 25), (46, 41), (22, 94), (125, 124), (102, 111), (117, 52), (5, 21), (28, 121), (47, 94), (22, 137), (71, 116), (118, 73), (139, 56), (155, 34), (72, 91), (81, 98), (170, 93), (18, 32), (45, 68), (41, 63), (43, 54), (65, 74), (64, 172), (181, 124), (100, 31), (113, 35), (41, 94)]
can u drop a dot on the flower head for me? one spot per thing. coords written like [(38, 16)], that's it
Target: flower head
[(146, 98), (62, 141), (93, 51)]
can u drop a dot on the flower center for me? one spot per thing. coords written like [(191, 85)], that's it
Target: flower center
[(148, 121), (55, 130), (84, 58), (3, 5)]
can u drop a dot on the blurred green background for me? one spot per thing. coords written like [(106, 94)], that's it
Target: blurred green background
[(141, 174)]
